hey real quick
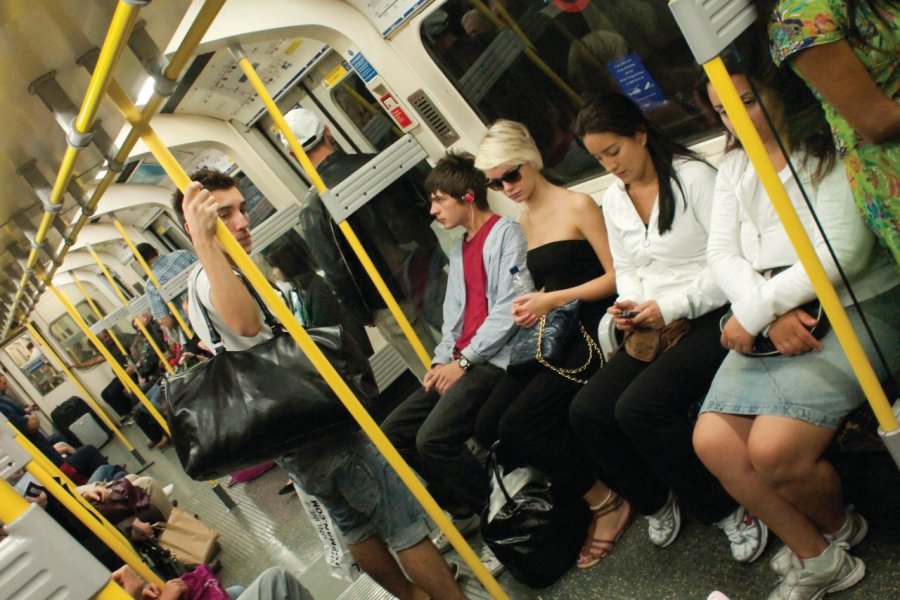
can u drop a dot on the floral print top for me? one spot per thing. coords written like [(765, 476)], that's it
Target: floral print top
[(873, 169)]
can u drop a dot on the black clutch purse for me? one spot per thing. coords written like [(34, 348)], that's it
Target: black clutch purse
[(763, 346), (241, 408)]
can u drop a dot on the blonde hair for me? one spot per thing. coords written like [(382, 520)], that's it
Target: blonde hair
[(507, 143)]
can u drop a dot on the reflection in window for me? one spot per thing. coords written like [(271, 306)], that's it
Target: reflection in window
[(31, 360), (75, 343), (536, 62), (357, 102), (258, 208)]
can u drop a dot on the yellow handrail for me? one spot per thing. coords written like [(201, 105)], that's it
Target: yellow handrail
[(344, 226), (138, 322), (99, 314), (101, 348), (831, 303), (154, 280), (88, 397)]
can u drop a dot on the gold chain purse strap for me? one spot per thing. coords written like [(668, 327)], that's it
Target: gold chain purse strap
[(568, 373)]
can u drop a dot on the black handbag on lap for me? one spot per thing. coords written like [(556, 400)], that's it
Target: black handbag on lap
[(538, 530), (547, 339), (241, 408)]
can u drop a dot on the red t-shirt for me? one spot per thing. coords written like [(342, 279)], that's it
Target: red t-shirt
[(475, 277)]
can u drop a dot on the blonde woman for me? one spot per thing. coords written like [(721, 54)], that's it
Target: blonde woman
[(569, 259)]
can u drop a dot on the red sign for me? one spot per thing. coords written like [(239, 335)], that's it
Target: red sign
[(397, 113)]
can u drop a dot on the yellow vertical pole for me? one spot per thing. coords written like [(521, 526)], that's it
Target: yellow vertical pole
[(138, 323), (89, 398), (99, 315), (326, 369), (153, 279), (50, 477), (344, 226), (129, 384), (768, 176)]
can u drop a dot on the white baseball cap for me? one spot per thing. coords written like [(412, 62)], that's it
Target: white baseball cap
[(306, 127)]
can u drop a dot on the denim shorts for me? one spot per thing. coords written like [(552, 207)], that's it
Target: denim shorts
[(818, 387), (362, 493)]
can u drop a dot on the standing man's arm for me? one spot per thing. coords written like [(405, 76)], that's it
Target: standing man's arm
[(228, 294)]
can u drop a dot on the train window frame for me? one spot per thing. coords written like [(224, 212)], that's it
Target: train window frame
[(73, 336), (35, 365), (571, 165)]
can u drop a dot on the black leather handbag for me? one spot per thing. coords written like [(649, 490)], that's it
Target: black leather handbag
[(538, 531), (241, 408), (545, 343)]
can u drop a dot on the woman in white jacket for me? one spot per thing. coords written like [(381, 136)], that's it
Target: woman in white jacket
[(767, 419)]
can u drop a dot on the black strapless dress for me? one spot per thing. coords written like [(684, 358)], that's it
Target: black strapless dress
[(568, 263)]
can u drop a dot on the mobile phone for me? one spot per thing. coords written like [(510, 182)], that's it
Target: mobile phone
[(628, 314)]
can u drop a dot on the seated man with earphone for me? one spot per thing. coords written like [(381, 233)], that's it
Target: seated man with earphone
[(431, 427)]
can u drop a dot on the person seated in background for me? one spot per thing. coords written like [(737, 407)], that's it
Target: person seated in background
[(364, 496), (138, 522), (79, 464), (768, 419), (272, 584), (632, 416), (431, 427), (114, 394)]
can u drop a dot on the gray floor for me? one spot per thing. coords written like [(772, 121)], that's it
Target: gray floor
[(267, 529)]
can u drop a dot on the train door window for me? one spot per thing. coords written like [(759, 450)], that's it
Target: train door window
[(258, 208), (537, 62), (363, 110), (30, 359), (75, 342)]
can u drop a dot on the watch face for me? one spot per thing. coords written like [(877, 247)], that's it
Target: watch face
[(464, 363)]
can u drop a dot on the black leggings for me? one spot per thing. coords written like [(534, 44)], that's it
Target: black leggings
[(632, 417)]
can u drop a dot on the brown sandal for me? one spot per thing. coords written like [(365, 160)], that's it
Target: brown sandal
[(595, 550)]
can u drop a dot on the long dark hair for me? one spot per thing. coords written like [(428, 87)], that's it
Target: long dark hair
[(804, 127), (615, 113)]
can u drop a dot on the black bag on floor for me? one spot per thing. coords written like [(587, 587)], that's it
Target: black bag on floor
[(70, 411), (537, 531)]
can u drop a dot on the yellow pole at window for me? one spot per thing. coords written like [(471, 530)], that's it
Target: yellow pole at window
[(137, 322), (768, 176), (154, 280), (255, 277), (129, 384), (89, 398), (344, 226), (99, 315)]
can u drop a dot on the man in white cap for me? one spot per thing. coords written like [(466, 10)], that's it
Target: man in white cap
[(392, 227)]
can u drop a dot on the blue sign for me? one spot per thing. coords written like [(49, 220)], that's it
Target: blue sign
[(362, 67), (635, 81)]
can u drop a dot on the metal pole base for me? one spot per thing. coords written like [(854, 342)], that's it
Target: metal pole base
[(141, 460), (223, 496), (891, 439)]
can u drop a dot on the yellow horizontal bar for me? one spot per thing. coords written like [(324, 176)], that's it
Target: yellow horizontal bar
[(768, 176)]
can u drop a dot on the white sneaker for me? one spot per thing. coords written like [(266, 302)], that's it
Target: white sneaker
[(852, 532), (746, 534), (466, 527), (665, 523), (167, 490), (717, 595), (832, 571), (491, 562)]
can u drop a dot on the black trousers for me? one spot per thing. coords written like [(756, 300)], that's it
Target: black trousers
[(115, 395), (632, 417), (529, 413), (430, 432)]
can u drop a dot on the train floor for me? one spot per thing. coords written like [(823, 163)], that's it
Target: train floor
[(269, 529)]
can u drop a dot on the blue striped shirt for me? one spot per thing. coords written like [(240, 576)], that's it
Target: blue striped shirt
[(165, 268)]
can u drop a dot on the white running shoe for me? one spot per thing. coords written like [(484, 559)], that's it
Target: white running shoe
[(665, 523), (746, 534), (852, 532), (167, 490), (466, 527), (810, 579)]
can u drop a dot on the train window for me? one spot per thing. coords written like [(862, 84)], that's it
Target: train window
[(27, 355), (75, 342), (537, 62), (258, 208), (357, 102)]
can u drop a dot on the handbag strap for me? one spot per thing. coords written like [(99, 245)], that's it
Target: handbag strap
[(495, 469), (568, 373), (215, 338)]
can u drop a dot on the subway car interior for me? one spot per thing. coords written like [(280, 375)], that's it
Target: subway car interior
[(108, 106)]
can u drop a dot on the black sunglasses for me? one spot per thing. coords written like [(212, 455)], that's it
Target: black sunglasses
[(511, 176)]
